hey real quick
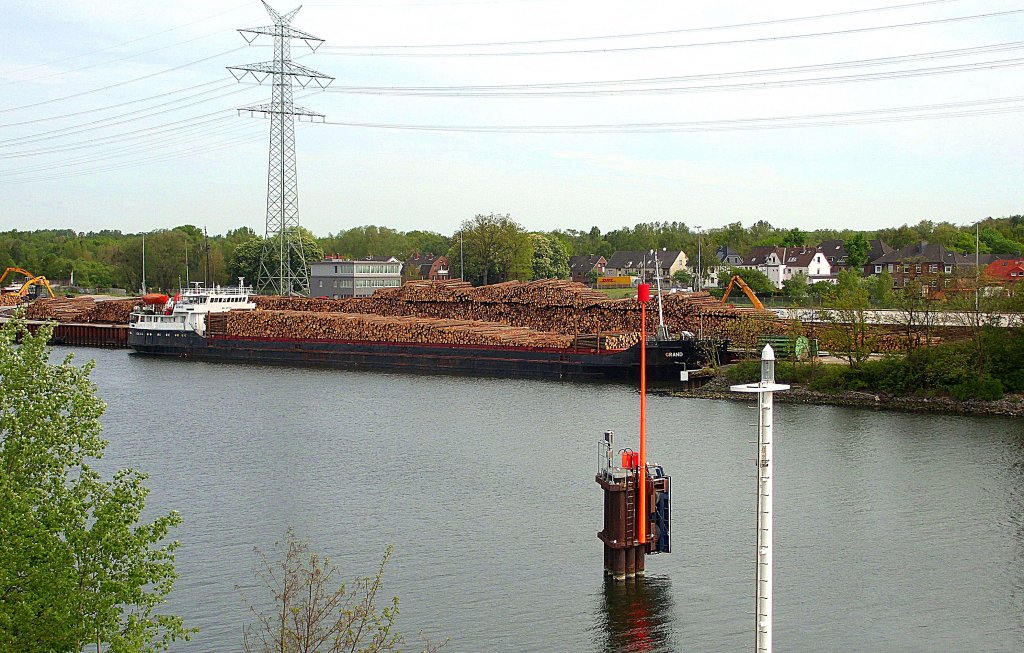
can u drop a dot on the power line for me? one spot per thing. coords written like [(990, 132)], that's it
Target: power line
[(944, 110), (114, 106), (745, 86), (687, 30), (124, 43), (671, 46), (113, 120), (839, 65), (122, 83)]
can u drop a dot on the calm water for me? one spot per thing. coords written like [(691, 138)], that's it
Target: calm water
[(893, 532)]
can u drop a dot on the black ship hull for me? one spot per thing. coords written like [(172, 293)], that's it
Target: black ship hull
[(666, 360)]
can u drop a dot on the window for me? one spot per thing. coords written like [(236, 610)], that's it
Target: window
[(321, 283), (878, 269), (906, 268), (933, 268), (934, 283), (890, 268), (948, 269), (917, 268)]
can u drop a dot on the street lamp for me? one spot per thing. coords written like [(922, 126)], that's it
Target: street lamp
[(697, 285)]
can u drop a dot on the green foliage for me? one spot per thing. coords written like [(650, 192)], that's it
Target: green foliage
[(796, 287), (550, 257), (77, 567), (794, 238), (757, 280), (682, 277), (314, 610), (496, 248), (880, 289), (857, 249), (978, 387), (248, 258)]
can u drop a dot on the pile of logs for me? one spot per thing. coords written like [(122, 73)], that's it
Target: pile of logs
[(61, 309), (10, 299), (376, 328), (82, 310), (546, 305), (113, 311)]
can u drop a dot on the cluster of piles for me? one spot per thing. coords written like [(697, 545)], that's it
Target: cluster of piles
[(10, 299), (376, 328), (545, 305), (82, 309)]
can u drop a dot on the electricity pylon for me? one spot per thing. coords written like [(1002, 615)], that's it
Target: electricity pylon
[(290, 275)]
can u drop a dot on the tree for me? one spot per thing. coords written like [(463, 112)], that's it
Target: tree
[(77, 567), (796, 287), (550, 257), (757, 280), (246, 256), (593, 276), (880, 288), (846, 314), (794, 238), (682, 277), (496, 248), (316, 612), (857, 249)]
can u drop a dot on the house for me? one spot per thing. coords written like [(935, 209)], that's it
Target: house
[(835, 253), (781, 264), (1004, 271), (641, 264), (725, 257), (930, 264), (581, 266), (427, 266), (338, 277)]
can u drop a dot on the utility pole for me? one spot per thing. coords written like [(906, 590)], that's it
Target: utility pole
[(291, 275), (462, 258), (143, 264), (977, 265), (206, 245), (700, 268)]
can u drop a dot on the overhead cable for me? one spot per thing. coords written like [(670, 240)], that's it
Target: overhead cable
[(672, 46), (895, 114), (687, 30)]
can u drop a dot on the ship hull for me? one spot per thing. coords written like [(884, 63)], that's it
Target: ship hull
[(665, 360)]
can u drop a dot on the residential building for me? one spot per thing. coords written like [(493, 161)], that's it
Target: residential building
[(725, 258), (641, 264), (581, 266), (337, 277), (835, 252), (1004, 271), (427, 266), (929, 264), (781, 264)]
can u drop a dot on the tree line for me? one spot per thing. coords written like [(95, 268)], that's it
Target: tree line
[(492, 247)]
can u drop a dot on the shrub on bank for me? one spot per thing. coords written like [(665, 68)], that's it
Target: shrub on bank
[(982, 369)]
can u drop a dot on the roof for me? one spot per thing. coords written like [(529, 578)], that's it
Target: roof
[(724, 252), (799, 257), (924, 252), (381, 259), (585, 263), (834, 250), (634, 259), (759, 254), (1006, 269), (878, 249)]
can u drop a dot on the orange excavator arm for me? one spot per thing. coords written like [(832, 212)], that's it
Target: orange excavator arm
[(36, 281), (736, 280), (25, 273)]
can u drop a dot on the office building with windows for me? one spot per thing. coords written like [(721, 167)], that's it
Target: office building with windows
[(336, 277)]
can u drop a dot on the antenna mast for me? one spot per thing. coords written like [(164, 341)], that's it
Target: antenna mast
[(284, 271)]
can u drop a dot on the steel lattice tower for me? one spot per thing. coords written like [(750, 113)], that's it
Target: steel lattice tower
[(282, 234)]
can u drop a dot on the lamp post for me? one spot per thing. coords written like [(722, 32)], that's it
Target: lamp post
[(977, 264), (698, 285)]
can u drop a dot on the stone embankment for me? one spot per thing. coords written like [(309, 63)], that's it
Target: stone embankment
[(1008, 406)]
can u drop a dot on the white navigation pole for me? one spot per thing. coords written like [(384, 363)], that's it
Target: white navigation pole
[(763, 556)]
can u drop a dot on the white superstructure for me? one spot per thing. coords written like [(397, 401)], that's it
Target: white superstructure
[(187, 311)]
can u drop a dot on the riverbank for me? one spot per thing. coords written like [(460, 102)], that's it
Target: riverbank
[(1011, 405)]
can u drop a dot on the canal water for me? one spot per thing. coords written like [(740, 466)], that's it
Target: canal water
[(894, 532)]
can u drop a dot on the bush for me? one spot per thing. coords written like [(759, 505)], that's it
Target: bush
[(978, 387)]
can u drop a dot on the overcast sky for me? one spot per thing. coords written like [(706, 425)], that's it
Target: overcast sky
[(150, 140)]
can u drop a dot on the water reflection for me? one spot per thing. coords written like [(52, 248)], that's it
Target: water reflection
[(636, 616)]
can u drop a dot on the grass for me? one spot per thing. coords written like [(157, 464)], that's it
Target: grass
[(618, 293)]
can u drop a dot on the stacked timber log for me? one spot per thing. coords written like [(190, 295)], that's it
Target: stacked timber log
[(376, 328), (61, 309), (546, 305), (112, 311), (10, 299)]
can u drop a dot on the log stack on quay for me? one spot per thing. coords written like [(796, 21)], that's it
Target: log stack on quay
[(10, 299), (82, 310)]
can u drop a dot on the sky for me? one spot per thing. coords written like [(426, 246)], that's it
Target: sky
[(842, 114)]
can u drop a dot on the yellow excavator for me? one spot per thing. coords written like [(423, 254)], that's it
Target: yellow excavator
[(736, 280), (33, 280)]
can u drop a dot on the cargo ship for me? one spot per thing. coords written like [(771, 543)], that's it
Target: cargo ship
[(193, 325)]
